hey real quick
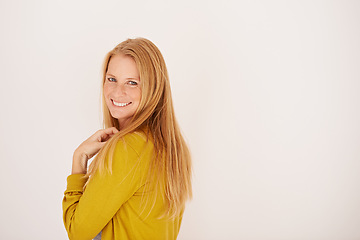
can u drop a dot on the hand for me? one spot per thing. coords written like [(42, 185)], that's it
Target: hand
[(90, 147), (94, 143)]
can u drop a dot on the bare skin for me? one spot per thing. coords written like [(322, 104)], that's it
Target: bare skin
[(89, 148)]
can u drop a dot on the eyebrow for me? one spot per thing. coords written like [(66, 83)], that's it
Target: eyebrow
[(109, 74)]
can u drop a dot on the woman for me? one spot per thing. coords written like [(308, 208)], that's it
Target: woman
[(137, 184)]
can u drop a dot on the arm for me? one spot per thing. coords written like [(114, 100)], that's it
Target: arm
[(79, 164), (86, 213)]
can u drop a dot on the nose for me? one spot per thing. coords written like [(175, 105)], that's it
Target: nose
[(120, 90)]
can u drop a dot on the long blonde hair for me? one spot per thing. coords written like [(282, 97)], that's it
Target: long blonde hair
[(155, 111)]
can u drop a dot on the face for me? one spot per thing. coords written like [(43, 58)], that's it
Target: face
[(122, 90)]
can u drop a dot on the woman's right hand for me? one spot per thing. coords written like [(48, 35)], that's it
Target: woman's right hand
[(95, 142)]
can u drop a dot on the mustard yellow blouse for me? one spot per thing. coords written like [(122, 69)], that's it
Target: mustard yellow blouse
[(112, 203)]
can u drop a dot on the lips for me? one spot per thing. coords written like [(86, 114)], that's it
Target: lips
[(120, 104)]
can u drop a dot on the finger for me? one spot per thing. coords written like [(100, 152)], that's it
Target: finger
[(105, 134), (111, 130)]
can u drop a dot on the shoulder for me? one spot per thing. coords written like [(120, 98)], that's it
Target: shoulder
[(137, 142), (131, 154)]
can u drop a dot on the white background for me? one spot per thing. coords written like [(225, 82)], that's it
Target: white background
[(266, 93)]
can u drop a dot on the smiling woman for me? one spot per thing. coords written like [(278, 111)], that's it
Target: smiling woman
[(122, 91), (137, 185)]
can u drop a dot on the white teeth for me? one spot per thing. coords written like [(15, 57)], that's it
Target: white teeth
[(121, 104)]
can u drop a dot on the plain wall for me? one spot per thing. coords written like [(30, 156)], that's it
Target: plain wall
[(266, 94)]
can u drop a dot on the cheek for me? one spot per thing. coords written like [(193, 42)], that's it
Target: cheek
[(106, 90), (136, 94), (139, 96)]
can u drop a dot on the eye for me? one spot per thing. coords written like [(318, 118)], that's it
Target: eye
[(110, 79), (133, 83)]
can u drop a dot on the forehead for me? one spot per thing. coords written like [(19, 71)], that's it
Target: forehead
[(122, 66)]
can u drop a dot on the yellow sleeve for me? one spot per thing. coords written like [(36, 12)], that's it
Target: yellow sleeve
[(85, 213)]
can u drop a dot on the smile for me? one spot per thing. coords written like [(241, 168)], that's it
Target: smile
[(120, 104)]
